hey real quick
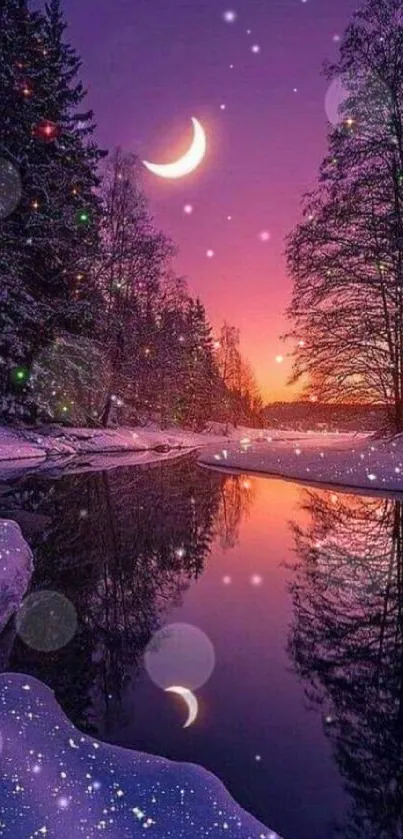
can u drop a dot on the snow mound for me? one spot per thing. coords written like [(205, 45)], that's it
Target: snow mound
[(16, 566), (67, 780)]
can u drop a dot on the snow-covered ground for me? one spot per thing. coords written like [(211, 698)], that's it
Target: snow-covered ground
[(347, 460), (81, 449), (56, 781), (16, 567)]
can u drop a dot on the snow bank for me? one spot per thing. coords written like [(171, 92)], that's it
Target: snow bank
[(345, 460), (57, 782), (15, 447), (56, 447), (16, 568)]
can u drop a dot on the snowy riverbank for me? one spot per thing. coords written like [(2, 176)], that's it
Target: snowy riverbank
[(346, 460), (57, 448), (100, 787), (355, 460)]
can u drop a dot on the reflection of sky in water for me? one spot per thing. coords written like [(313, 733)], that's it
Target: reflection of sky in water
[(56, 782), (177, 544)]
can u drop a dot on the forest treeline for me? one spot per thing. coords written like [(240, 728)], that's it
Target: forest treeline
[(95, 326)]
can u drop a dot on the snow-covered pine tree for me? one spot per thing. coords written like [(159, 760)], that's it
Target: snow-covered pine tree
[(49, 240), (201, 377), (20, 313)]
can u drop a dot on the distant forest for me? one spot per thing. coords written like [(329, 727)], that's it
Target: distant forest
[(309, 416)]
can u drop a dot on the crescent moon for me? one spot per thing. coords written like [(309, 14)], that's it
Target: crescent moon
[(190, 160), (190, 700)]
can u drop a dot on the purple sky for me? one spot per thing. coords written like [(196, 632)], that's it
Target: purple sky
[(153, 64)]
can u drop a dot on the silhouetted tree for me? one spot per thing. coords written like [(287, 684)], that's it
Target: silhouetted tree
[(346, 256)]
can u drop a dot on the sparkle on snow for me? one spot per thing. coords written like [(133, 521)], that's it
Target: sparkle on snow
[(57, 782)]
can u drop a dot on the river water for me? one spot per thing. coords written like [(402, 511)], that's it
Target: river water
[(299, 592)]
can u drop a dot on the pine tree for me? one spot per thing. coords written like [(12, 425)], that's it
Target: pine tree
[(346, 257), (49, 240), (201, 371)]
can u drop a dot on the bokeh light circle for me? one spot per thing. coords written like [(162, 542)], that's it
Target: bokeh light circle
[(179, 654), (371, 106), (70, 377), (335, 97), (46, 620), (10, 188)]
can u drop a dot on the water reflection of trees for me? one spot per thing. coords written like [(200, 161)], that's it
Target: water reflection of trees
[(123, 546), (237, 494), (347, 643)]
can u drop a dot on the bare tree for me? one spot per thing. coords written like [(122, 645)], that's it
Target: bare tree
[(241, 395), (346, 256)]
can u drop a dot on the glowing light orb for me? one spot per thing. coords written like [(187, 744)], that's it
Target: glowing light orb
[(10, 188), (229, 16), (188, 209), (83, 217), (256, 580), (210, 254), (264, 236), (46, 130), (19, 375), (179, 654), (279, 359), (256, 49), (46, 620)]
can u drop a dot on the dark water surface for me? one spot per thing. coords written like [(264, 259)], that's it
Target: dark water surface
[(300, 592)]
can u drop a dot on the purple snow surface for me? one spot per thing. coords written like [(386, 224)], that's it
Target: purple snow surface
[(58, 783)]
